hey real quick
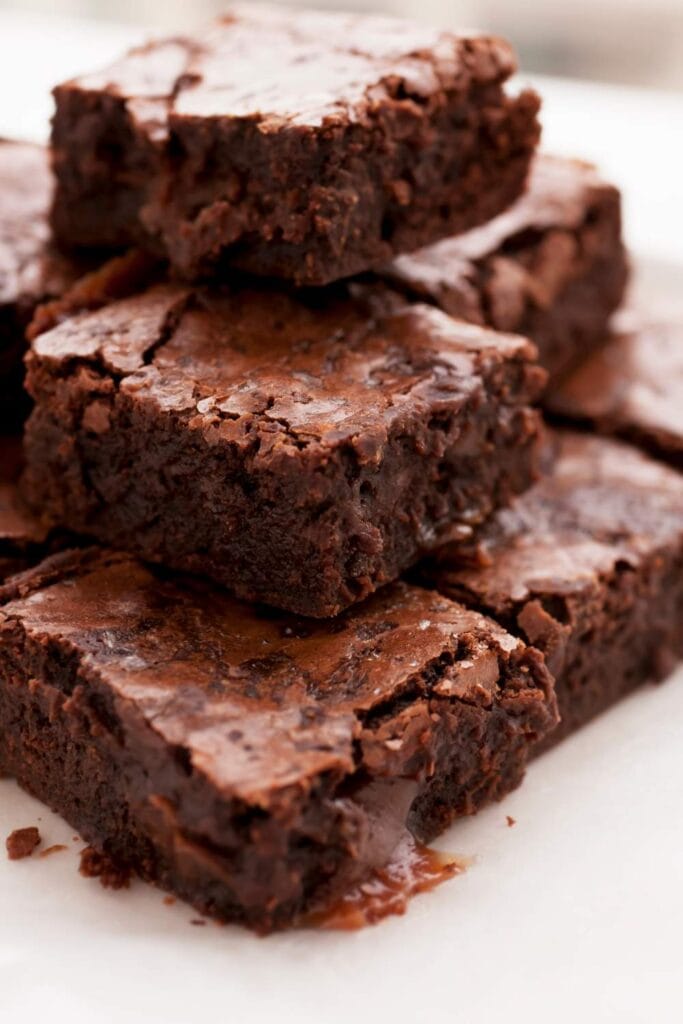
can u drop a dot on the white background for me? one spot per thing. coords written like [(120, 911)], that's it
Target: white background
[(574, 914)]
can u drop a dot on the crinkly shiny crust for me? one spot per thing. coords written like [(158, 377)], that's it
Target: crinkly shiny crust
[(587, 566), (251, 762), (553, 267), (631, 387), (296, 144), (300, 450)]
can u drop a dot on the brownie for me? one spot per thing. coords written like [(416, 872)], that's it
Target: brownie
[(23, 539), (301, 145), (300, 449), (30, 270), (631, 387), (251, 762), (552, 267), (588, 567)]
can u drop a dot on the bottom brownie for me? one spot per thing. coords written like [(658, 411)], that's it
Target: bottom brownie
[(588, 567), (251, 762)]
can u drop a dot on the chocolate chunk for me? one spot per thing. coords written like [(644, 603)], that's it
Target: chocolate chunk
[(22, 842)]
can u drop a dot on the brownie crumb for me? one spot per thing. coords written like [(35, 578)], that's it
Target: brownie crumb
[(56, 848), (169, 901), (22, 842), (98, 865), (511, 821), (198, 922)]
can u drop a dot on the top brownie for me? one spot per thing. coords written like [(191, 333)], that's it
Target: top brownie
[(552, 267), (300, 449), (30, 271), (302, 145)]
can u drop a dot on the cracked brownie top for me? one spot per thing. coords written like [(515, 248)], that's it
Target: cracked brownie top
[(302, 369), (264, 64)]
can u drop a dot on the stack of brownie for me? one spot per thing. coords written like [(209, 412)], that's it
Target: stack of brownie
[(294, 564)]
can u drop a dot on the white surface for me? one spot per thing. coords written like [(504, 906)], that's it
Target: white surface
[(573, 914)]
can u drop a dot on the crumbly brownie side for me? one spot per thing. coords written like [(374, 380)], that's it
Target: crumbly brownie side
[(300, 450), (588, 567), (553, 267), (251, 762), (301, 145), (30, 270), (631, 387)]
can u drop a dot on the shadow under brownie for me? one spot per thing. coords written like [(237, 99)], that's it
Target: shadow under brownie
[(301, 145), (553, 267), (301, 450), (588, 567), (254, 763)]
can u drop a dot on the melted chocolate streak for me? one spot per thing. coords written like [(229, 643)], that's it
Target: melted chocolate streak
[(412, 869)]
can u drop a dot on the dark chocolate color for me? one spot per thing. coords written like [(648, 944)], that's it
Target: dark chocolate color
[(251, 762), (300, 450), (295, 144), (552, 267), (588, 567), (631, 387)]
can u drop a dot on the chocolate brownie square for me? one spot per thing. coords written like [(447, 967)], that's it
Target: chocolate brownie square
[(553, 267), (30, 270), (631, 387), (301, 145), (253, 763), (300, 449), (588, 567)]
